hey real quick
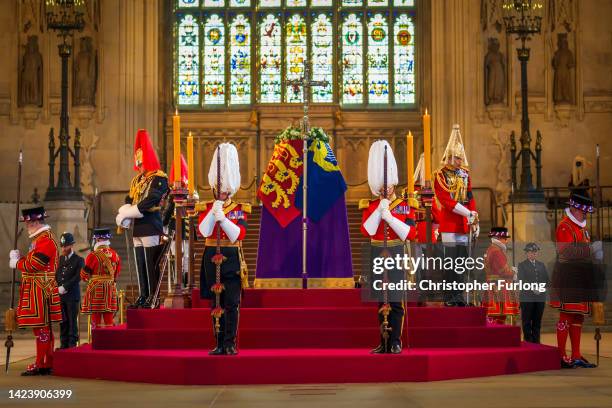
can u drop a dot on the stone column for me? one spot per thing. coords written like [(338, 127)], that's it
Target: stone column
[(68, 216)]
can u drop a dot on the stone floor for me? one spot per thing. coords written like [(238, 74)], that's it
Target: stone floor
[(580, 388)]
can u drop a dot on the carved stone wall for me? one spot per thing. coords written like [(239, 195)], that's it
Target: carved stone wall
[(125, 40)]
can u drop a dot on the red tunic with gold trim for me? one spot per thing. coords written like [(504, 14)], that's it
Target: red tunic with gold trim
[(499, 302), (453, 186), (39, 302), (102, 267), (399, 209), (573, 251)]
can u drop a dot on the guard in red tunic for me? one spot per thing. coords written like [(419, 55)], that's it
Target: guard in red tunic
[(572, 276), (499, 302), (393, 216), (228, 219), (102, 267), (457, 217), (39, 302)]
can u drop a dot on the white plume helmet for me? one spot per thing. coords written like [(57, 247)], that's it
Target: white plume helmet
[(455, 147), (376, 167), (419, 171), (230, 169)]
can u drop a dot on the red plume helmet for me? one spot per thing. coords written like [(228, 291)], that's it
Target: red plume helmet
[(144, 152), (184, 171)]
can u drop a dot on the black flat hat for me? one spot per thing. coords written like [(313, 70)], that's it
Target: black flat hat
[(33, 214)]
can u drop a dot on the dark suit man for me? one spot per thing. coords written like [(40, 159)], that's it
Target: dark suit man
[(68, 278), (532, 302)]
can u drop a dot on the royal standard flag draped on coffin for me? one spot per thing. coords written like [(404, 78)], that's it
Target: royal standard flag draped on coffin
[(279, 257)]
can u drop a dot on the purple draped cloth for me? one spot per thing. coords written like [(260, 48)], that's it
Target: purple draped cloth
[(279, 256)]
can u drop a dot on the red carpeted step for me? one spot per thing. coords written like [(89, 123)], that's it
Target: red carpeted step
[(319, 317), (119, 338), (445, 316), (486, 336), (297, 298), (300, 366)]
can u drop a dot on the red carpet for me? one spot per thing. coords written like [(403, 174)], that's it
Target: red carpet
[(303, 336)]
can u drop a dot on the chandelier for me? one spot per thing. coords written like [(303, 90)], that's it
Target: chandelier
[(523, 17), (65, 15)]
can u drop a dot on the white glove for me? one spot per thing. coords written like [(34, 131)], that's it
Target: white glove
[(372, 223), (123, 208), (123, 222), (62, 290), (207, 225), (461, 210), (386, 215), (383, 204), (14, 256), (217, 205), (219, 215), (130, 211), (399, 227), (514, 273), (231, 230)]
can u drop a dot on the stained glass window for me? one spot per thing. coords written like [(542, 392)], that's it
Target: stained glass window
[(214, 3), (240, 61), (214, 60), (322, 57), (296, 49), (270, 59), (240, 3), (378, 59), (352, 59), (235, 53), (404, 85), (188, 61), (296, 3), (269, 3), (188, 3)]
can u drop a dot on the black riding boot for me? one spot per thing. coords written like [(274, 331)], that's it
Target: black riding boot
[(152, 255), (141, 271)]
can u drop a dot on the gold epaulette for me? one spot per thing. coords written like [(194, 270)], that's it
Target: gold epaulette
[(159, 173), (364, 203), (246, 207), (201, 205)]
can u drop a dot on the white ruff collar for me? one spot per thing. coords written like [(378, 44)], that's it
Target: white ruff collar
[(39, 231), (498, 243), (581, 224), (101, 243)]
